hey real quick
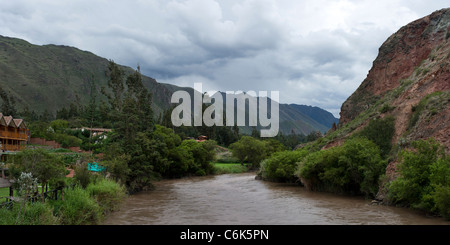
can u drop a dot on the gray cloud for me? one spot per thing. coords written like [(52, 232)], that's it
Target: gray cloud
[(313, 52)]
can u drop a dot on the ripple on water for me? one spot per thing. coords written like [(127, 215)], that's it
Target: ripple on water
[(239, 199)]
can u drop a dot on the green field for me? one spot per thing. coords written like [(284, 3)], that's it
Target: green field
[(229, 168)]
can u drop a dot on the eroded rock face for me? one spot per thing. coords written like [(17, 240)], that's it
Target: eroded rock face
[(412, 67)]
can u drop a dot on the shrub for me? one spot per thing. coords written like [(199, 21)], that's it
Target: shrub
[(35, 214), (108, 194), (180, 160), (424, 181), (354, 167), (380, 131), (281, 166), (386, 108), (78, 208), (82, 174), (202, 153), (249, 149)]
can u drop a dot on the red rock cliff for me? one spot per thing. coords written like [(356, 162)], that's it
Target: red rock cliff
[(412, 68)]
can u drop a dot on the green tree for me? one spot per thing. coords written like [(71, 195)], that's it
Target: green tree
[(59, 126), (354, 167), (116, 162), (132, 117), (423, 182), (41, 164), (203, 153), (281, 166), (380, 131), (116, 85), (250, 149), (9, 104)]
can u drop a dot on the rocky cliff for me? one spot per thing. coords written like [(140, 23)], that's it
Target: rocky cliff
[(409, 80)]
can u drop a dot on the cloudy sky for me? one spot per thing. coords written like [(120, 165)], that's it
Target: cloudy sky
[(313, 52)]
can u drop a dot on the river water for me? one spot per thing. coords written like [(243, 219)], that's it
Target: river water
[(239, 199)]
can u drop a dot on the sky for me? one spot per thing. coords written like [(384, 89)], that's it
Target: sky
[(314, 52)]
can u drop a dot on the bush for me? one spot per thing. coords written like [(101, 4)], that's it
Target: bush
[(249, 149), (180, 160), (380, 131), (78, 208), (35, 214), (203, 154), (355, 167), (281, 166), (424, 181), (107, 193), (82, 174)]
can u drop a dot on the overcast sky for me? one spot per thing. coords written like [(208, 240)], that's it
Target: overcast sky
[(314, 52)]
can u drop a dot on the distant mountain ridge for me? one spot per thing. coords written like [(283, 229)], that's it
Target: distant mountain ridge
[(50, 77)]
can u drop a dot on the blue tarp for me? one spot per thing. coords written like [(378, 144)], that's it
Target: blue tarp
[(94, 167)]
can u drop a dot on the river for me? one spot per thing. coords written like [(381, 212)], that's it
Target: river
[(239, 199)]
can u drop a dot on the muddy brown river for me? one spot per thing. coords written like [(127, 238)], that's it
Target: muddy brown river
[(239, 199)]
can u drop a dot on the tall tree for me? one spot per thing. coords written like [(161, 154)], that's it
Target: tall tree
[(115, 83), (9, 104), (132, 117)]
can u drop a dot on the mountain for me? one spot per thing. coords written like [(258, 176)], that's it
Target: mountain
[(50, 77), (319, 115), (410, 82)]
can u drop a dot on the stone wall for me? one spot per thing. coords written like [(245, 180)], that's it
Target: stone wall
[(40, 141)]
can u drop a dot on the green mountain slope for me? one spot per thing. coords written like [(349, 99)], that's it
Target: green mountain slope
[(50, 77)]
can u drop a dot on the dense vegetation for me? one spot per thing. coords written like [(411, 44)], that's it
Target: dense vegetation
[(424, 181), (79, 206), (358, 167), (85, 199), (354, 167), (142, 148)]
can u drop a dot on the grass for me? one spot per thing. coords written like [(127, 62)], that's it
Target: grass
[(229, 168), (4, 192)]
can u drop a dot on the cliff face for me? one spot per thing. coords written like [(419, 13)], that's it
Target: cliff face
[(410, 80)]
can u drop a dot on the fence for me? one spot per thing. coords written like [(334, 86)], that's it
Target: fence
[(52, 195)]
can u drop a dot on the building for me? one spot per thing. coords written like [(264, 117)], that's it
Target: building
[(97, 131), (202, 138), (14, 133)]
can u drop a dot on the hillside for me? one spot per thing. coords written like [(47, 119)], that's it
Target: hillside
[(50, 77), (409, 82)]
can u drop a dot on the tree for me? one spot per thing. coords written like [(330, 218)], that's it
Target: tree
[(9, 104), (41, 164), (26, 186), (423, 182), (250, 149), (115, 83), (132, 116), (281, 166), (354, 167), (380, 131), (131, 109)]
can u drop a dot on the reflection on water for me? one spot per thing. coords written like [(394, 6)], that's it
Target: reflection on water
[(239, 199)]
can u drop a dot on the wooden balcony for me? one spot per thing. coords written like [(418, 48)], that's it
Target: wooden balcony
[(13, 135)]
